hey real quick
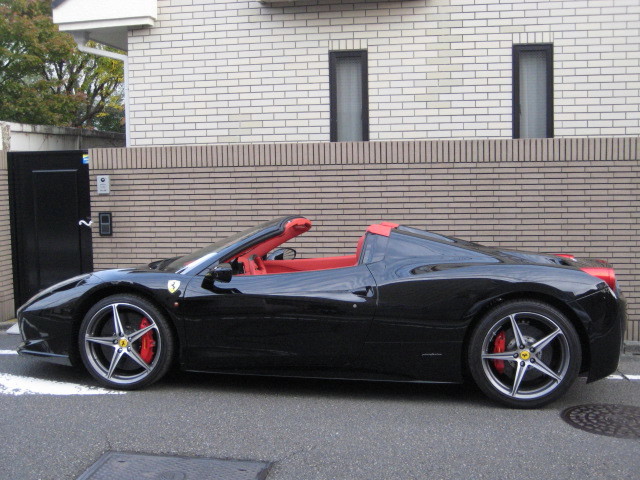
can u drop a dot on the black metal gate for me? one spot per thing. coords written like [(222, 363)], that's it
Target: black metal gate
[(50, 210)]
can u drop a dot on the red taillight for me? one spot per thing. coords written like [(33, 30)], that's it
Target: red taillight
[(603, 273), (565, 255)]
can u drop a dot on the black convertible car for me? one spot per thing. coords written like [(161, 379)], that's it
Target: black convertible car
[(407, 305)]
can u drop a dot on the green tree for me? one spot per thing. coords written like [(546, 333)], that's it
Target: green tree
[(44, 79)]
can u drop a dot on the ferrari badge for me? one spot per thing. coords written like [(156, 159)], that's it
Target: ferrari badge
[(173, 285)]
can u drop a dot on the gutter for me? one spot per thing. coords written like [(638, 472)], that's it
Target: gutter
[(81, 39)]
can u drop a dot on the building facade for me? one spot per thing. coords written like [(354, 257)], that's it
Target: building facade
[(227, 71), (424, 112)]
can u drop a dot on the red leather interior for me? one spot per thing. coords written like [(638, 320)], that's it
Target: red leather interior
[(307, 264), (292, 229), (383, 228), (254, 264)]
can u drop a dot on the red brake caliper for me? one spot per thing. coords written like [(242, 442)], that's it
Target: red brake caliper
[(499, 346), (147, 343)]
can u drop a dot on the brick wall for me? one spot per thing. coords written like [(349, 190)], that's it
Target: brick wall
[(6, 267), (579, 196), (229, 71)]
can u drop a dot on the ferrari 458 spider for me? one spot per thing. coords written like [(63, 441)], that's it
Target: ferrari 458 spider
[(407, 305)]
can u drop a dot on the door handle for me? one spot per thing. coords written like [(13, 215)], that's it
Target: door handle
[(84, 222), (366, 292)]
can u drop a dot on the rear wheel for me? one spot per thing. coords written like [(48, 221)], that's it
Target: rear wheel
[(524, 354), (125, 342)]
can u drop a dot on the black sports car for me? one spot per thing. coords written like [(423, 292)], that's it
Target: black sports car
[(407, 305)]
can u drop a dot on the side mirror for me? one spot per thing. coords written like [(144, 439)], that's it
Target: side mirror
[(220, 273)]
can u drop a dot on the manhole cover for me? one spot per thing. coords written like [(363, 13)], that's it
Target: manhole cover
[(136, 466), (620, 421)]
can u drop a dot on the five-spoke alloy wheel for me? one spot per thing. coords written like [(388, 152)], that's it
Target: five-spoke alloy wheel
[(524, 354), (125, 342)]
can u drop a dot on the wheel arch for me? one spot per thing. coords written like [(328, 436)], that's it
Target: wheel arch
[(479, 311), (85, 304)]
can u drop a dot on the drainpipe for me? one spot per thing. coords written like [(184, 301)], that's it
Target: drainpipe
[(81, 39)]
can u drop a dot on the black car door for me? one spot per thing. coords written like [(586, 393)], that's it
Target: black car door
[(314, 319), (425, 290)]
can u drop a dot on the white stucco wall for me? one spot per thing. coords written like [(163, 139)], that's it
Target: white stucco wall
[(229, 71), (35, 138), (77, 14)]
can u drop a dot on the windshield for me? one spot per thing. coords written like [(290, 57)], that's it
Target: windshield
[(200, 258)]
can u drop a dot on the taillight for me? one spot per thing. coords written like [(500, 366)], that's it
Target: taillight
[(565, 255), (603, 273)]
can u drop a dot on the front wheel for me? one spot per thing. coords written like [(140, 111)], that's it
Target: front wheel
[(524, 354), (125, 342)]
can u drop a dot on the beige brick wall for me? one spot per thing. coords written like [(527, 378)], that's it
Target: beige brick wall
[(7, 310), (578, 196), (229, 71)]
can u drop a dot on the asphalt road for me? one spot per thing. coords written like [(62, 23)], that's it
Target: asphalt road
[(310, 429)]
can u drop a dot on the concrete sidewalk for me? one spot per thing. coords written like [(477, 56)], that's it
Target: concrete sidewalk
[(10, 326), (629, 366)]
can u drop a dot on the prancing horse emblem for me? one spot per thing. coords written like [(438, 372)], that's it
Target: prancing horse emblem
[(173, 285)]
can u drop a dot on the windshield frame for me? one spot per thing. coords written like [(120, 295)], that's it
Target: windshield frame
[(209, 256)]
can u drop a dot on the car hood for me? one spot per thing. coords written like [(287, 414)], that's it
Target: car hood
[(116, 274)]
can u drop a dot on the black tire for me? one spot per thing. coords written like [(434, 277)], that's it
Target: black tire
[(534, 372), (125, 342)]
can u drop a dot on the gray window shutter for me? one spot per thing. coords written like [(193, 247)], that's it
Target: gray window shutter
[(349, 99), (533, 94)]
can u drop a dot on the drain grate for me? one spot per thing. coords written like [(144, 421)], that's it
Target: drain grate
[(136, 466), (620, 421)]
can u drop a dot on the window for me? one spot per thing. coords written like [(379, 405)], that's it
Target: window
[(374, 248), (403, 246), (533, 91), (349, 98)]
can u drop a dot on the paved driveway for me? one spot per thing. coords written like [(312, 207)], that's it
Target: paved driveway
[(309, 429)]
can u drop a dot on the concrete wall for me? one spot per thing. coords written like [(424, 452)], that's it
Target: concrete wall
[(577, 196), (36, 138), (6, 267), (231, 71)]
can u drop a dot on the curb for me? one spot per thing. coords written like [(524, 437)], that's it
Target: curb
[(632, 347), (7, 324)]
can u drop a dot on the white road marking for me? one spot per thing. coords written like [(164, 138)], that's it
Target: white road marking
[(18, 385), (624, 376), (14, 330)]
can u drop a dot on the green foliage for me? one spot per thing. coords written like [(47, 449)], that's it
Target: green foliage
[(45, 80)]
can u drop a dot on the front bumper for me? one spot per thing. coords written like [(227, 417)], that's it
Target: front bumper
[(48, 321), (31, 350), (46, 338)]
